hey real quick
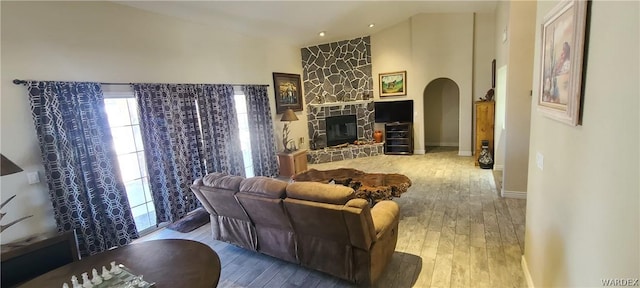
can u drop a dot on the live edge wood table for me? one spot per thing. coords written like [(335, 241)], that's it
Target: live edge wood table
[(168, 263), (371, 186)]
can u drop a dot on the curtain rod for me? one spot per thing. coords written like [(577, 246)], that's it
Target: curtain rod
[(23, 82)]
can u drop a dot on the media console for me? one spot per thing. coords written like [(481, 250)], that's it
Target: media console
[(398, 138)]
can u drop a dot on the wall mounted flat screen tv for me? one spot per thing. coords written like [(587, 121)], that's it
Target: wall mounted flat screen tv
[(394, 111)]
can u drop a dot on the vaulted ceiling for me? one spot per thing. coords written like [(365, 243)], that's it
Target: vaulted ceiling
[(299, 22)]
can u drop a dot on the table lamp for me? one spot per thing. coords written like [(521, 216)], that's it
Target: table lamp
[(8, 167), (287, 117)]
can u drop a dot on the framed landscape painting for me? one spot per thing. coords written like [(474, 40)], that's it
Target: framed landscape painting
[(563, 34), (393, 83), (288, 92)]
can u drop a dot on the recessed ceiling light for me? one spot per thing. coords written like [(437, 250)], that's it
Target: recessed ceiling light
[(321, 34), (371, 25)]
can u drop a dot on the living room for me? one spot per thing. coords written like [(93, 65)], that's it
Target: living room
[(571, 210)]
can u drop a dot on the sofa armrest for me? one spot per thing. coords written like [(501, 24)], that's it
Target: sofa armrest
[(385, 215), (195, 188)]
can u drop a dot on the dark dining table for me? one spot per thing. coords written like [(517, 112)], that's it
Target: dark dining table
[(167, 263)]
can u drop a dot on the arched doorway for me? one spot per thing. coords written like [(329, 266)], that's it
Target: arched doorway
[(441, 113)]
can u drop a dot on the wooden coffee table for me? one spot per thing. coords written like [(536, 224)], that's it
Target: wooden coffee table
[(371, 186), (168, 263)]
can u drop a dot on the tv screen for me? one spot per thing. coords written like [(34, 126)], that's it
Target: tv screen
[(393, 111)]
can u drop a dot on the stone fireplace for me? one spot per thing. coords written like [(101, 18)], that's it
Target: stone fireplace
[(341, 129), (318, 121), (336, 76), (337, 82), (363, 115)]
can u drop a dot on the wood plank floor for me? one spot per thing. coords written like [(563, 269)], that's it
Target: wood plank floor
[(455, 231)]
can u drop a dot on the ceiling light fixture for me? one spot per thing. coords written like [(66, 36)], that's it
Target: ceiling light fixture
[(321, 34), (372, 25)]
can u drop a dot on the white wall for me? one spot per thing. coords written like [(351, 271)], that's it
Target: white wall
[(484, 35), (391, 51), (518, 100), (107, 42), (431, 46), (583, 223), (514, 61), (442, 46), (502, 55), (499, 135)]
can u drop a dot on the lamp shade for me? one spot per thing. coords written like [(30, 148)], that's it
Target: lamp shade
[(289, 115), (7, 167)]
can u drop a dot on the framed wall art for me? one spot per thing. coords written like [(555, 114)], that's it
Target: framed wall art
[(393, 83), (563, 34), (288, 92)]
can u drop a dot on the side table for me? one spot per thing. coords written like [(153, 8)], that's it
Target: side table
[(292, 163)]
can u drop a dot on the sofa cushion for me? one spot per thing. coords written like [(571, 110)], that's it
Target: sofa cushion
[(223, 181), (262, 199), (264, 187), (319, 192)]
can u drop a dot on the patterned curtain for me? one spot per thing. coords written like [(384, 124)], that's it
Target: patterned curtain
[(80, 164), (263, 148), (172, 143), (220, 132)]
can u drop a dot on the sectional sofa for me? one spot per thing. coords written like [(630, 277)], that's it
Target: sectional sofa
[(319, 226)]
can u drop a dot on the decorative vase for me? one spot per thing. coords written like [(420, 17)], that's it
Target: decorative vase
[(377, 136), (485, 160)]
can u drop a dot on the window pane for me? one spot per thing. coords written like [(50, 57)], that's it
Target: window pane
[(152, 208), (115, 109), (243, 122), (138, 211), (245, 137), (133, 110), (125, 128), (135, 192), (141, 217), (129, 169), (143, 165), (123, 139), (147, 191), (248, 171), (137, 137), (246, 156), (241, 104), (152, 214)]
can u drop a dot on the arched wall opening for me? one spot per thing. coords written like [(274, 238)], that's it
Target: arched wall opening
[(441, 113)]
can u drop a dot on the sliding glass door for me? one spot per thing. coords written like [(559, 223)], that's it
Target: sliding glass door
[(125, 128)]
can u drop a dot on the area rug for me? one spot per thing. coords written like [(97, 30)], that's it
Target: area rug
[(191, 222)]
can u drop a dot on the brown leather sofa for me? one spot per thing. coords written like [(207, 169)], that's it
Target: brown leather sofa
[(319, 226)]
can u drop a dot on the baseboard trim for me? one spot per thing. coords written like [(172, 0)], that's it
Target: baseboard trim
[(464, 153), (513, 194), (419, 152), (527, 275), (498, 167)]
